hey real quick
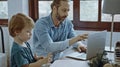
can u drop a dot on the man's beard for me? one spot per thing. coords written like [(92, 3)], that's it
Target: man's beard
[(60, 18)]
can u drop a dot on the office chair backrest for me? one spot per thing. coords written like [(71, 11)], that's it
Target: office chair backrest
[(2, 38)]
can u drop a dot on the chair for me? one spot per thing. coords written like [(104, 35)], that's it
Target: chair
[(3, 57), (2, 38)]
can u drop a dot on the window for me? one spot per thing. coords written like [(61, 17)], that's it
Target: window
[(3, 12), (88, 10), (44, 10), (91, 17), (85, 14)]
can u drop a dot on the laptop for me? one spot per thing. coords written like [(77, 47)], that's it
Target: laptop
[(95, 44)]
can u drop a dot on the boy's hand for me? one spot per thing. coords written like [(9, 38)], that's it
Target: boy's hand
[(49, 56), (38, 58), (47, 59)]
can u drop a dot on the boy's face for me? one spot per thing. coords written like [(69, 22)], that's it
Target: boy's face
[(25, 34), (62, 10)]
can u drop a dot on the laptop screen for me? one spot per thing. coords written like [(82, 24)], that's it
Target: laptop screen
[(96, 43)]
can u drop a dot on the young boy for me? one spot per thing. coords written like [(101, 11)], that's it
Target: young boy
[(20, 27)]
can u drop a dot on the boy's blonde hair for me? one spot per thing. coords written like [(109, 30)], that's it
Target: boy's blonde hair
[(18, 22)]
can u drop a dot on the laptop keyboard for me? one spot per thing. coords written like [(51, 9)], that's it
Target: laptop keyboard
[(77, 55), (82, 55)]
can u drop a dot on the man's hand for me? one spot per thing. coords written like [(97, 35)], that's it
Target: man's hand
[(81, 48), (82, 37)]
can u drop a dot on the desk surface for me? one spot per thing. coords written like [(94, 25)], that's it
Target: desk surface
[(67, 62), (70, 63)]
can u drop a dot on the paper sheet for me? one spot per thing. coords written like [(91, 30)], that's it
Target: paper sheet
[(69, 63)]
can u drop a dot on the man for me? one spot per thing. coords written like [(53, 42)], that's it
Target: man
[(55, 32)]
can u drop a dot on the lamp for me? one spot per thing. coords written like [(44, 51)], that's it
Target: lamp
[(111, 7)]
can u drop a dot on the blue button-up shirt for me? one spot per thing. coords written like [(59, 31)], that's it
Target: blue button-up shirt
[(48, 38)]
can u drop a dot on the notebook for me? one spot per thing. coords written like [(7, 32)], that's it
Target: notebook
[(95, 44)]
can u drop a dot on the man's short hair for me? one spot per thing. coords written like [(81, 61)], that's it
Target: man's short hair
[(57, 3)]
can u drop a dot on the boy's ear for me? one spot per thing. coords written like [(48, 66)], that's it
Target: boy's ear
[(17, 32)]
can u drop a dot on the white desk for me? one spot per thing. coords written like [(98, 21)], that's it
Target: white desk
[(67, 62)]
